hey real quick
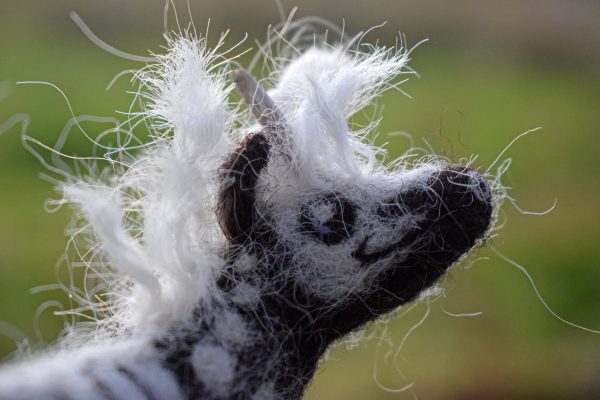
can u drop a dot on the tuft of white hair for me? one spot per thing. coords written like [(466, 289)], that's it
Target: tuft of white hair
[(318, 92), (153, 223)]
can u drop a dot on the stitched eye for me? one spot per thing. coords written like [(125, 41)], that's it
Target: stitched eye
[(329, 219)]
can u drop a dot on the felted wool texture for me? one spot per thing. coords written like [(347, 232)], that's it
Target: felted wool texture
[(231, 254)]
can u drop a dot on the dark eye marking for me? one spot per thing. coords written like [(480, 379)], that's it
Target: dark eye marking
[(329, 219)]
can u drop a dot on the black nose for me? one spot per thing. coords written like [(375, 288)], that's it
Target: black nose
[(458, 211), (457, 208), (453, 207)]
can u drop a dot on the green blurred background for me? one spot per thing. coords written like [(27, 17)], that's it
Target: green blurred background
[(490, 71)]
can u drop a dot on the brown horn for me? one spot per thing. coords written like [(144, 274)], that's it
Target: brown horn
[(261, 105)]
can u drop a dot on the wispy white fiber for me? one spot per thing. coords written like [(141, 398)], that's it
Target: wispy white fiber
[(154, 221), (319, 91)]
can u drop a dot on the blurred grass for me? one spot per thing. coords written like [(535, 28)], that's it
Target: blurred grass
[(464, 103)]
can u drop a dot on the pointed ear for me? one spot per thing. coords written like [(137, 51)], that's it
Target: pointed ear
[(236, 211)]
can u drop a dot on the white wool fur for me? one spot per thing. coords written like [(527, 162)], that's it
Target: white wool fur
[(77, 373), (154, 222), (216, 367), (319, 92)]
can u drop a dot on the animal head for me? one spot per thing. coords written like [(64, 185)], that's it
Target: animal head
[(326, 237), (348, 244)]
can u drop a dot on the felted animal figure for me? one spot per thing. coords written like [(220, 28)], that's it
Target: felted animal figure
[(237, 246)]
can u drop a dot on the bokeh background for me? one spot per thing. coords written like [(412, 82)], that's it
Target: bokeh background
[(490, 71)]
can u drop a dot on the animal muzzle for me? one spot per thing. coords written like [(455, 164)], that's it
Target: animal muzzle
[(455, 208)]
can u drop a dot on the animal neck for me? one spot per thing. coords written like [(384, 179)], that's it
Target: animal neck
[(248, 345)]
